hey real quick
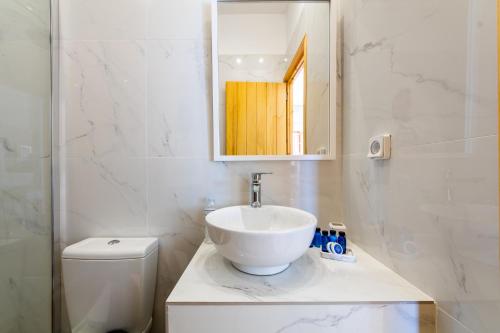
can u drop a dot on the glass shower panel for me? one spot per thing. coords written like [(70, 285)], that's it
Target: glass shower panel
[(25, 167)]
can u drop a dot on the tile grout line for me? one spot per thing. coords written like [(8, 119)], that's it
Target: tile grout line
[(454, 319), (402, 148), (146, 126)]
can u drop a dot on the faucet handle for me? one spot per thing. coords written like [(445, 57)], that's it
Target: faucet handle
[(257, 175)]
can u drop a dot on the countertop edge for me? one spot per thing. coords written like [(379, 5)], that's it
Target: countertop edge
[(175, 303)]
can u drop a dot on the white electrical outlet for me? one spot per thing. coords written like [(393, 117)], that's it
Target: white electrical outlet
[(379, 147)]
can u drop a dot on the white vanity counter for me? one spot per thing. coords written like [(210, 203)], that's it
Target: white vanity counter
[(210, 278), (313, 293)]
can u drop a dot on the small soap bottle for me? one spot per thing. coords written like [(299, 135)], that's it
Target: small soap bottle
[(317, 238), (324, 240), (333, 236), (342, 241)]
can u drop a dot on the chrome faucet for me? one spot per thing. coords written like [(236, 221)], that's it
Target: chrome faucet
[(255, 189)]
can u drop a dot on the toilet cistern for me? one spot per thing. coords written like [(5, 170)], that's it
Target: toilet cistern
[(109, 284), (256, 188)]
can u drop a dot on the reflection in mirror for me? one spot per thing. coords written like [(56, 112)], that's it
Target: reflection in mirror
[(274, 77), (296, 87)]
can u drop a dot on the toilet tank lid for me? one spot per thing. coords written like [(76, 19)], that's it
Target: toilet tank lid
[(111, 248)]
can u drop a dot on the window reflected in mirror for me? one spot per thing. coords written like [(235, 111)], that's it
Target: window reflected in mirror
[(298, 117), (296, 82)]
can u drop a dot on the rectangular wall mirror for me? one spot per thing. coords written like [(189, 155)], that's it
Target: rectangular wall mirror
[(274, 80)]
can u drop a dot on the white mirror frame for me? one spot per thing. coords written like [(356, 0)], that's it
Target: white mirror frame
[(334, 10)]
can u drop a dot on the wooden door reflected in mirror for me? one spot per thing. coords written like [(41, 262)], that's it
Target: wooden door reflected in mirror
[(256, 118)]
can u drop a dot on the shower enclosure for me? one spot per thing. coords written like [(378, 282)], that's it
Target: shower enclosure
[(25, 167)]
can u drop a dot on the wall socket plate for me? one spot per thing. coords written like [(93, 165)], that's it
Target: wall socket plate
[(379, 147)]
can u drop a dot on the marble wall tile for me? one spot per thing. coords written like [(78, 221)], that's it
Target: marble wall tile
[(431, 211), (25, 98), (447, 324), (25, 202), (105, 197), (25, 173), (103, 89), (103, 20), (36, 299), (10, 253), (24, 294), (447, 233), (25, 244), (434, 65), (178, 75), (25, 167), (187, 19), (27, 20)]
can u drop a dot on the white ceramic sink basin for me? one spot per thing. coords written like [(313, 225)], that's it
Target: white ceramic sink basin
[(261, 241)]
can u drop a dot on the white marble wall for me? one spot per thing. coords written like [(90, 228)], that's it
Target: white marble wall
[(25, 174), (135, 125), (425, 71)]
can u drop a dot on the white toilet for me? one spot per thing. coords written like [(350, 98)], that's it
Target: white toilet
[(109, 284)]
